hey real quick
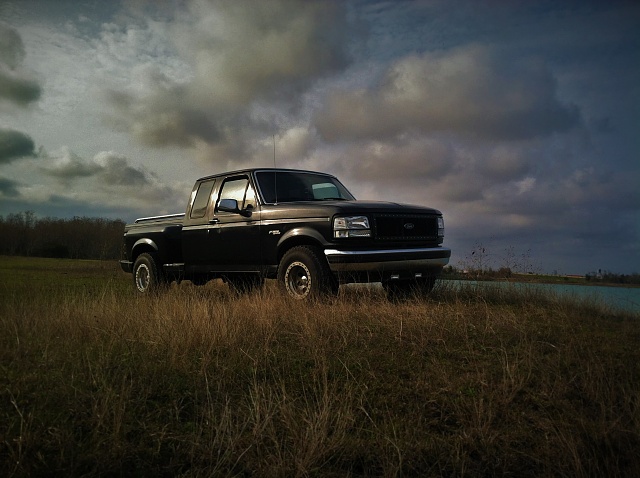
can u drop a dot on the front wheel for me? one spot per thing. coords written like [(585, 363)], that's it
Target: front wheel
[(304, 273), (147, 274)]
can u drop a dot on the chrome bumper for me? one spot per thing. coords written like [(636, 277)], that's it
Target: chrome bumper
[(387, 260)]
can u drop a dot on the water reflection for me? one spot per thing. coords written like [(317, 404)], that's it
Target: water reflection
[(622, 298)]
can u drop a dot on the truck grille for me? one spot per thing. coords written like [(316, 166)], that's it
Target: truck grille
[(394, 227)]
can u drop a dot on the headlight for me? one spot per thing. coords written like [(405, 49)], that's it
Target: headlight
[(440, 227), (351, 226)]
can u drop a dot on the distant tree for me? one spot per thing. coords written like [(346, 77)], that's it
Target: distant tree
[(77, 238)]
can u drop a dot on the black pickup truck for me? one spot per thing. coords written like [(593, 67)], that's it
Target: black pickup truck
[(302, 228)]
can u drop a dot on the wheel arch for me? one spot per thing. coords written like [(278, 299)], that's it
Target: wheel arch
[(141, 246), (299, 237)]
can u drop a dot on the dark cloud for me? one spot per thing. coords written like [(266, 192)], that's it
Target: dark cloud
[(15, 145), (9, 188), (602, 125), (107, 182), (406, 159), (116, 171), (449, 169), (15, 86), (472, 91), (164, 119), (11, 47), (244, 50), (17, 89), (241, 52), (73, 167), (107, 168), (506, 164), (140, 202)]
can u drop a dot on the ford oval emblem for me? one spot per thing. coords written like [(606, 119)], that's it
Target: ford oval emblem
[(409, 225)]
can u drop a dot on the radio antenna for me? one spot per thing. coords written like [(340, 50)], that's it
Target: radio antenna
[(275, 173)]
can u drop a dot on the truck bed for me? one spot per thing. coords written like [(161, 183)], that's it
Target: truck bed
[(173, 218)]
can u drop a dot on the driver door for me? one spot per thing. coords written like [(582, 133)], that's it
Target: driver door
[(234, 239)]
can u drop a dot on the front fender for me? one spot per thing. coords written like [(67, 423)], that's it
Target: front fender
[(300, 236), (144, 242)]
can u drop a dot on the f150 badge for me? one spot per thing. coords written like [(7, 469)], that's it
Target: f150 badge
[(274, 232)]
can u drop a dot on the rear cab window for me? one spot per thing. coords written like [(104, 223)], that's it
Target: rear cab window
[(202, 199)]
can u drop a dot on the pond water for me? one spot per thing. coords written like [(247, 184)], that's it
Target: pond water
[(622, 298)]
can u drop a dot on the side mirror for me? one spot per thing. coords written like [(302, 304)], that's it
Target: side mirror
[(231, 205), (228, 205)]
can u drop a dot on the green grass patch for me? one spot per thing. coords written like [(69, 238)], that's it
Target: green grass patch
[(198, 382), (21, 276)]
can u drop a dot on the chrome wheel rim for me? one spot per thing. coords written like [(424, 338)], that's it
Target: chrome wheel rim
[(298, 280), (143, 277)]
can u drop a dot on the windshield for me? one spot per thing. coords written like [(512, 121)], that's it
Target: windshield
[(298, 186)]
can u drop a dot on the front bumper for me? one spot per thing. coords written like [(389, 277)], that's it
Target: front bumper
[(387, 262), (126, 266)]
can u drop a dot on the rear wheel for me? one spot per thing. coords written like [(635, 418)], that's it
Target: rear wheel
[(305, 274), (147, 275)]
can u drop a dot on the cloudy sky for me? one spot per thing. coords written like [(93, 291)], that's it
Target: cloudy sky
[(519, 120)]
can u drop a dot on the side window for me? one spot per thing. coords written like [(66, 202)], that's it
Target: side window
[(199, 207), (250, 198), (236, 189)]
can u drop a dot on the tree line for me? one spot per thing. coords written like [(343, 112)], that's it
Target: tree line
[(23, 234), (606, 277), (609, 277)]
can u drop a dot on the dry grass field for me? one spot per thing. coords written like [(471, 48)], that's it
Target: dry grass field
[(95, 381)]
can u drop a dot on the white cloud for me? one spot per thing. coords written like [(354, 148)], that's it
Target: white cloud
[(526, 185)]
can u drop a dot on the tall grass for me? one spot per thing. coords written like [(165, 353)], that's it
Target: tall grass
[(199, 382)]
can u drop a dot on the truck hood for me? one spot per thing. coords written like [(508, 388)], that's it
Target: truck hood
[(307, 209), (379, 207)]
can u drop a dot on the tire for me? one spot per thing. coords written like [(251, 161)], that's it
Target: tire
[(148, 277), (407, 289), (304, 274)]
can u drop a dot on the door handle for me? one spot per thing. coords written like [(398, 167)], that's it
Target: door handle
[(215, 220)]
